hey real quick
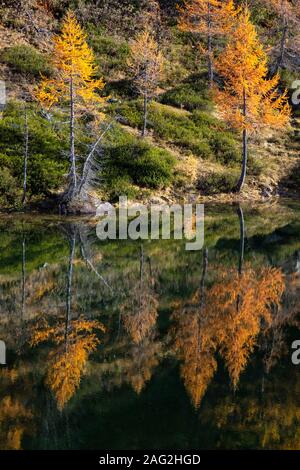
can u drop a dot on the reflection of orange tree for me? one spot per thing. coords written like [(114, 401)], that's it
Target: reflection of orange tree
[(139, 310), (139, 314), (268, 420), (73, 345), (15, 416), (144, 357), (235, 309)]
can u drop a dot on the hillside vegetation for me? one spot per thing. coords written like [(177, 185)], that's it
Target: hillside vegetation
[(188, 149)]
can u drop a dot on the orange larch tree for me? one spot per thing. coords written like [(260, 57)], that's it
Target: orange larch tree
[(209, 18), (146, 64), (74, 84), (249, 100), (289, 13)]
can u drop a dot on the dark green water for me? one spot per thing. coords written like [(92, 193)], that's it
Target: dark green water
[(130, 345)]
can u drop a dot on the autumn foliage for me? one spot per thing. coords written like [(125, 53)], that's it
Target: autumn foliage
[(235, 309), (249, 99), (211, 19), (68, 358), (74, 84)]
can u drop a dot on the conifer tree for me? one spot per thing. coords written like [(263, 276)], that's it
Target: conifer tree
[(73, 84), (249, 100), (208, 18)]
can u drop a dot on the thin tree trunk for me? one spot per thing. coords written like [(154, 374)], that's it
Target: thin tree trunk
[(23, 276), (202, 283), (142, 258), (144, 130), (242, 251), (73, 176), (69, 287), (25, 161), (245, 149), (209, 48), (242, 238), (279, 62)]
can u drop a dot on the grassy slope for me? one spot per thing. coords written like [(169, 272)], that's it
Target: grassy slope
[(183, 122)]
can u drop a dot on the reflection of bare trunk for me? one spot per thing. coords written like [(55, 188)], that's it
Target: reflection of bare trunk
[(23, 276), (242, 248), (242, 238), (141, 274), (69, 285), (202, 296), (202, 284)]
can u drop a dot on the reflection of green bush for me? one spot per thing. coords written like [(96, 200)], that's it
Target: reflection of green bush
[(27, 60)]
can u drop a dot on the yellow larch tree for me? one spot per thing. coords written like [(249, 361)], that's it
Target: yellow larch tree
[(208, 18), (146, 64), (249, 100), (288, 12), (74, 84)]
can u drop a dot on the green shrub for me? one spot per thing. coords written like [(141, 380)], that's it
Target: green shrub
[(131, 113), (111, 53), (255, 167), (186, 97), (139, 162), (225, 148), (198, 133), (215, 183), (46, 163), (27, 60), (119, 186), (8, 188)]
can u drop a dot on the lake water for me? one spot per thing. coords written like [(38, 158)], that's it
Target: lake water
[(130, 345)]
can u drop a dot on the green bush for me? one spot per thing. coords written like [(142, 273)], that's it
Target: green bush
[(111, 53), (120, 186), (215, 183), (27, 60), (198, 133), (46, 163), (186, 97), (137, 161), (225, 148), (8, 188)]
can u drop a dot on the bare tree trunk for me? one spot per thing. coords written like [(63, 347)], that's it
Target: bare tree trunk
[(73, 176), (279, 62), (242, 251), (25, 160), (69, 286), (23, 276), (242, 238), (203, 277), (245, 149), (144, 130), (209, 48), (142, 258)]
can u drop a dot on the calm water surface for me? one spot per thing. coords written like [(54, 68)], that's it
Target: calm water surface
[(130, 345)]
